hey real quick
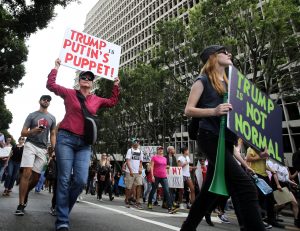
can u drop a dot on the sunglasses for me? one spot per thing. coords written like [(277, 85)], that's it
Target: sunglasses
[(87, 78), (48, 100), (223, 52)]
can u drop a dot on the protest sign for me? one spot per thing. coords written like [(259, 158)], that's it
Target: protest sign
[(175, 177), (254, 117), (148, 152), (82, 51), (282, 197), (199, 174), (4, 152)]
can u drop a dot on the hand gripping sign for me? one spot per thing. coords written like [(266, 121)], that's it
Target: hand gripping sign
[(82, 51)]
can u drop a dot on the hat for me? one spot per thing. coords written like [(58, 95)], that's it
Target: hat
[(45, 97), (208, 51), (134, 140), (87, 73)]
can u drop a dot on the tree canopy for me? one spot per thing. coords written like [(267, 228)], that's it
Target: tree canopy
[(18, 20)]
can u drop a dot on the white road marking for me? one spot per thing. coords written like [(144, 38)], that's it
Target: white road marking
[(178, 214), (171, 227)]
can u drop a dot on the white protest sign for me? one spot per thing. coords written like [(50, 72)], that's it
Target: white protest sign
[(175, 177), (148, 152), (82, 51), (199, 175), (4, 152)]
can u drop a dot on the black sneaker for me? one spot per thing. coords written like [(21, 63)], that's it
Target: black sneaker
[(20, 210), (53, 211), (297, 223), (172, 210), (111, 198), (208, 219), (277, 225), (267, 225)]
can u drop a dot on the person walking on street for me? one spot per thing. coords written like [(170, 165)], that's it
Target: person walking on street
[(258, 162), (206, 102), (184, 162), (13, 166), (134, 167), (6, 143), (37, 127), (72, 153), (159, 175), (103, 178)]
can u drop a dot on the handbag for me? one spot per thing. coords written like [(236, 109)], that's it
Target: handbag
[(90, 122)]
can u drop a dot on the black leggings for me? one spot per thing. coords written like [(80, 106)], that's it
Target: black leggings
[(239, 185), (104, 185)]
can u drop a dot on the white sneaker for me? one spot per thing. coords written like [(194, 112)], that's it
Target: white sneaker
[(181, 206), (267, 226), (224, 219)]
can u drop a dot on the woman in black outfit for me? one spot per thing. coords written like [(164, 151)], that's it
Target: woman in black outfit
[(209, 89), (104, 178)]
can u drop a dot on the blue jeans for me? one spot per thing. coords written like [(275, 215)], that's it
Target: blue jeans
[(73, 159), (165, 185), (147, 190), (13, 169), (39, 186), (2, 168)]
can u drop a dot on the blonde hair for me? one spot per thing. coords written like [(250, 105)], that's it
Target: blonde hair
[(210, 71)]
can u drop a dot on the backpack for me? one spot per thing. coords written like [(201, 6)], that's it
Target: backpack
[(193, 125), (193, 128)]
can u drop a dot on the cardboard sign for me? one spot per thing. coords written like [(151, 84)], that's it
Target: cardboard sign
[(254, 117), (282, 197), (4, 152), (175, 177), (85, 52), (148, 152)]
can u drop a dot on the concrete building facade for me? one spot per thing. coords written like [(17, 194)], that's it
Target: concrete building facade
[(131, 24)]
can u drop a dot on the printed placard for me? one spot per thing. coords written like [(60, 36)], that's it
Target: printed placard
[(148, 152), (4, 152), (85, 52), (199, 175), (175, 177), (254, 117)]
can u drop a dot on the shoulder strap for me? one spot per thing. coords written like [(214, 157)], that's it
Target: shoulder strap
[(81, 99)]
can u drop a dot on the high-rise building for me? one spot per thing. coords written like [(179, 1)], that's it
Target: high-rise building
[(131, 24)]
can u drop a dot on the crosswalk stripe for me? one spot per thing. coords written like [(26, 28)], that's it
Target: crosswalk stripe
[(171, 227)]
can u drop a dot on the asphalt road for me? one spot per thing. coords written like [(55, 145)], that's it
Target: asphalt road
[(90, 214)]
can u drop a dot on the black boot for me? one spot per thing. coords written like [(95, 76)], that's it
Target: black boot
[(208, 219), (297, 223)]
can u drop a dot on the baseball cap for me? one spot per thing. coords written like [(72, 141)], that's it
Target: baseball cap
[(208, 51), (134, 140), (45, 97), (91, 74)]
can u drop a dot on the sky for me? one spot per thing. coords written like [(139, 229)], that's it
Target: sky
[(44, 47)]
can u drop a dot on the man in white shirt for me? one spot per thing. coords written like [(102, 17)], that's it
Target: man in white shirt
[(134, 167), (184, 162)]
